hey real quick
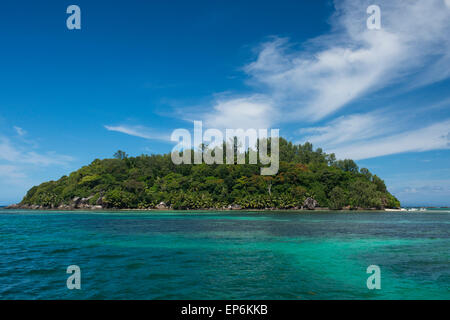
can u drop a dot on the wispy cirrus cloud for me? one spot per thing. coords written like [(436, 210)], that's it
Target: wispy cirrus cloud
[(365, 136), (20, 131), (350, 129), (313, 87), (139, 131), (312, 82), (20, 160), (20, 154), (423, 192), (11, 172)]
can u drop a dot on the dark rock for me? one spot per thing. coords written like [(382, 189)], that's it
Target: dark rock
[(86, 200), (310, 203), (100, 201), (162, 206), (76, 201)]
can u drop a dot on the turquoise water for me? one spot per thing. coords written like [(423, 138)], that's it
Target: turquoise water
[(178, 255)]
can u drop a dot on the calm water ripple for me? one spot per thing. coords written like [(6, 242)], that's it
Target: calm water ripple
[(244, 255)]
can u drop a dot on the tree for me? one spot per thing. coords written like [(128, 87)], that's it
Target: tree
[(338, 198), (364, 194), (120, 155), (366, 173), (347, 165), (379, 183), (146, 180)]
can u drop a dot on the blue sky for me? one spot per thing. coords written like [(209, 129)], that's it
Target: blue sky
[(138, 70)]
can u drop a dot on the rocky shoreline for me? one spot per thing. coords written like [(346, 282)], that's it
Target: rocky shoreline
[(79, 203)]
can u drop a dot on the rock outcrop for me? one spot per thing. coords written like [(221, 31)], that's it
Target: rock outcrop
[(76, 202), (100, 201), (162, 206), (310, 203)]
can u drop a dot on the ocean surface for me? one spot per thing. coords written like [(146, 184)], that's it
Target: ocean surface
[(224, 255)]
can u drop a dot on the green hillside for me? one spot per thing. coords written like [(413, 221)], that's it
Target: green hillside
[(146, 181)]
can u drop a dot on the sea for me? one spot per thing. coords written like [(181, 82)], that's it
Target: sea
[(224, 255)]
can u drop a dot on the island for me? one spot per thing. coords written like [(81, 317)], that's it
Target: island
[(307, 179)]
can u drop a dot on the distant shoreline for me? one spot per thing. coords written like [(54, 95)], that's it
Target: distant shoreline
[(318, 210), (86, 209)]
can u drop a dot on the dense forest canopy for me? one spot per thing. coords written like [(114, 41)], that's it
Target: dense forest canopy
[(147, 180)]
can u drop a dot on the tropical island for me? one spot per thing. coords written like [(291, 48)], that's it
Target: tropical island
[(308, 178)]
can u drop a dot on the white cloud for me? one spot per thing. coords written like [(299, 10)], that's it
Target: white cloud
[(20, 131), (249, 112), (378, 133), (47, 159), (138, 131), (350, 129), (7, 151), (20, 163), (329, 72), (20, 154), (335, 69), (431, 137), (427, 188), (422, 192), (11, 172), (310, 88), (308, 83), (312, 82)]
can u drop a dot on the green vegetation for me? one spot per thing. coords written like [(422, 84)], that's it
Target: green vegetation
[(145, 181)]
